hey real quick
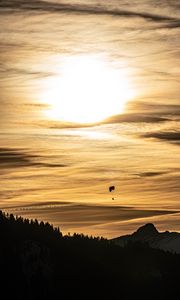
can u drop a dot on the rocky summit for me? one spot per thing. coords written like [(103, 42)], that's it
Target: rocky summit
[(167, 241)]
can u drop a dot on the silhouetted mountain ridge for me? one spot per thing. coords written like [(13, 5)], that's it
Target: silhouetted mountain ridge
[(168, 241), (148, 229)]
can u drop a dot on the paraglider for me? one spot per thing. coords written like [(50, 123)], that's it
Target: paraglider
[(112, 188)]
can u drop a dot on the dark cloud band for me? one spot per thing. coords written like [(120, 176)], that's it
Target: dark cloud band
[(173, 136), (84, 9), (11, 158)]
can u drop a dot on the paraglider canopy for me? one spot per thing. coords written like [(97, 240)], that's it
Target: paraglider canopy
[(111, 188)]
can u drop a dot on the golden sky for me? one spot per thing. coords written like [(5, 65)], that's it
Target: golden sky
[(90, 98)]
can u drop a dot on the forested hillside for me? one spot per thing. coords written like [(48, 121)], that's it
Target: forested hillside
[(38, 262)]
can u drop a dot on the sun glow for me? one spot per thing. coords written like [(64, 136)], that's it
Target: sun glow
[(86, 90)]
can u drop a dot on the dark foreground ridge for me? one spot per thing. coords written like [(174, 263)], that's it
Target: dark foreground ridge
[(38, 262)]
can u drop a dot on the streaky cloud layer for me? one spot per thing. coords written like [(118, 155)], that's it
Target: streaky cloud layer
[(59, 170)]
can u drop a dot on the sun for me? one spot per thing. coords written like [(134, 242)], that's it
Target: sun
[(86, 89)]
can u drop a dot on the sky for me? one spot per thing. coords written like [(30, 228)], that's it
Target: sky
[(90, 98)]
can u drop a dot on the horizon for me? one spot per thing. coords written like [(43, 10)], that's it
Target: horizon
[(90, 99)]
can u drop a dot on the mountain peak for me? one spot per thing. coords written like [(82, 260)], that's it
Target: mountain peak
[(168, 241), (147, 229)]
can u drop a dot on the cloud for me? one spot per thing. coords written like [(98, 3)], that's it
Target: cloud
[(134, 118), (150, 174), (152, 110), (12, 157), (45, 6), (170, 136), (24, 72), (155, 107), (15, 158), (116, 119), (40, 205)]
